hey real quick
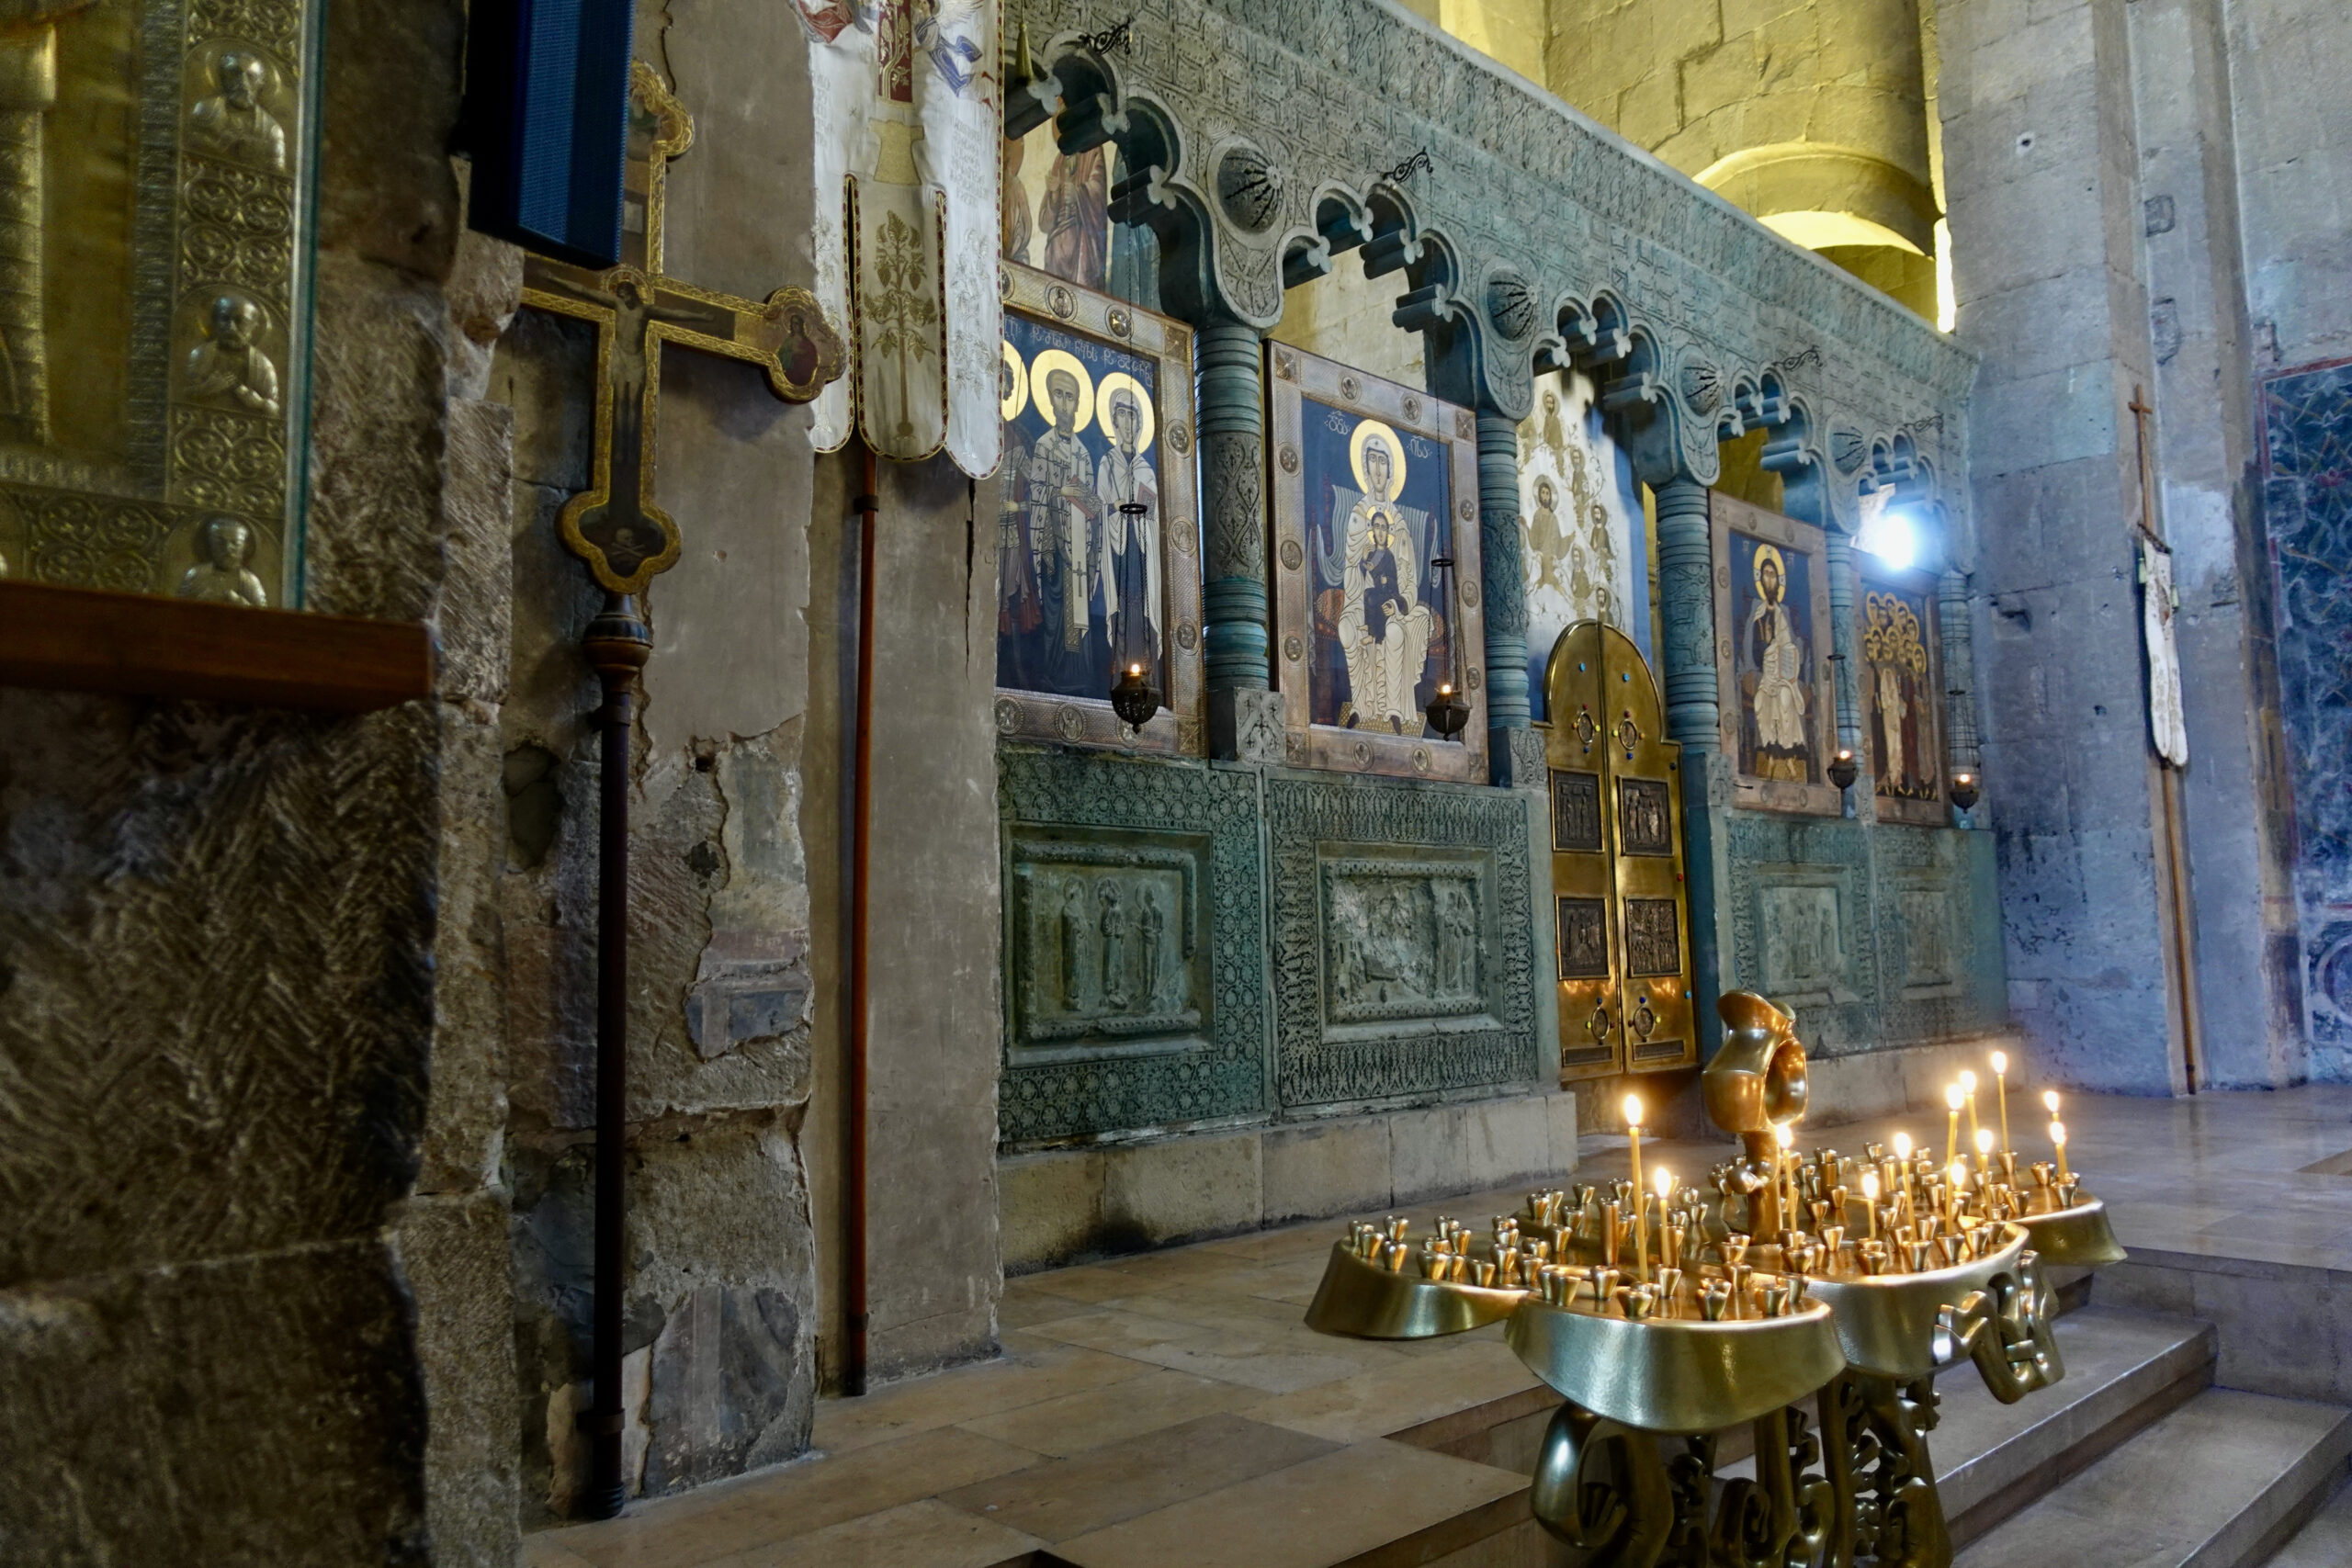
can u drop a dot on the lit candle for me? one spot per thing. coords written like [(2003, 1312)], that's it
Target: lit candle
[(1968, 1088), (2058, 1141), (1641, 1204), (2001, 1078), (1958, 1176), (1953, 1097), (1903, 1170), (1784, 1188), (1984, 1161), (1870, 1200), (1662, 1181)]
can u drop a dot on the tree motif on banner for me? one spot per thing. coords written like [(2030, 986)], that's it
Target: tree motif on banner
[(904, 309)]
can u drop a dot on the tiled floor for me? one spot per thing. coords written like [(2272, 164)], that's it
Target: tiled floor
[(1167, 1408), (1173, 1409)]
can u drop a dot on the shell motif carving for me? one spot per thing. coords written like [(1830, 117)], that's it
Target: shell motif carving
[(1702, 388), (1249, 188), (1510, 305), (1848, 448)]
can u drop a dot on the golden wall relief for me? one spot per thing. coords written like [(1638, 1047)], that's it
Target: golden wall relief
[(153, 161)]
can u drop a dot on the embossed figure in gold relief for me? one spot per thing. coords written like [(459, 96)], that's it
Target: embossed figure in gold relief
[(231, 122), (230, 366), (222, 575)]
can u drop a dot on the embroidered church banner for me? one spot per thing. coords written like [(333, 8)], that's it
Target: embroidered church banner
[(2167, 725), (908, 103), (1096, 401), (1375, 485), (1772, 646), (1580, 520)]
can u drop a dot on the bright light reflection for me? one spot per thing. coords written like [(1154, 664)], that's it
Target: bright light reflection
[(1888, 531)]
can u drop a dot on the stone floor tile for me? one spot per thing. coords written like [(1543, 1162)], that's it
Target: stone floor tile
[(1313, 1514), (1033, 1370), (914, 1534), (2326, 1541), (719, 1521), (1077, 1422), (544, 1551), (1034, 1307), (1092, 1282), (1069, 1497), (1375, 1403)]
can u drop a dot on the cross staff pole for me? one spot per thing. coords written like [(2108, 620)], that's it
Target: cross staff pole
[(625, 540)]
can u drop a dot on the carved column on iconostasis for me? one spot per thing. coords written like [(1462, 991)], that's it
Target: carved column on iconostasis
[(1687, 614), (1503, 570), (1960, 665), (1234, 601), (1838, 547)]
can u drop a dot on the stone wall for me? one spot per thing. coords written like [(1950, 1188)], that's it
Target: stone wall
[(722, 1297), (248, 1031)]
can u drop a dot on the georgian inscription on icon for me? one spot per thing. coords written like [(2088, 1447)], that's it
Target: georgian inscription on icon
[(1576, 811), (152, 340)]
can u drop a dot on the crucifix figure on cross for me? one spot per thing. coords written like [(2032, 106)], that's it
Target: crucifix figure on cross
[(615, 524)]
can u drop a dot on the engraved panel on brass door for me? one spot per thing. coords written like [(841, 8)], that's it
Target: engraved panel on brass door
[(1622, 919)]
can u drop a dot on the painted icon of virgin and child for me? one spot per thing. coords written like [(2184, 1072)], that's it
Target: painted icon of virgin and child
[(1379, 630)]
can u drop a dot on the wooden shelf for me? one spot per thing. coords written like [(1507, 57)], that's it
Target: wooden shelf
[(81, 639)]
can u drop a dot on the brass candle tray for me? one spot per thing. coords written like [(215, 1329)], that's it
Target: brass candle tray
[(2077, 1235), (1370, 1301), (1681, 1373)]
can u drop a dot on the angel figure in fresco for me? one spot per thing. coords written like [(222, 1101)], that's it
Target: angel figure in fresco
[(1543, 536), (945, 33), (1124, 478), (1773, 658), (231, 122), (1383, 633), (1075, 215)]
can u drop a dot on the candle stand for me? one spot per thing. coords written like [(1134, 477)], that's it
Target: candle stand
[(1825, 1340)]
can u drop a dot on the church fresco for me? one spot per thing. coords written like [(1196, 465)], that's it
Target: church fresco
[(1901, 657), (1095, 421), (1772, 612), (1581, 523), (1371, 498)]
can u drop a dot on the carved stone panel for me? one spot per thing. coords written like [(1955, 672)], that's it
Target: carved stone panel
[(1927, 944), (1804, 953), (1402, 938), (1135, 945), (1404, 966)]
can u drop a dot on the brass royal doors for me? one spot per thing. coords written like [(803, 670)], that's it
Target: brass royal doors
[(1622, 920)]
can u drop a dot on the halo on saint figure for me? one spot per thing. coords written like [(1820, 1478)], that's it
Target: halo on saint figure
[(1780, 569), (1042, 371), (1015, 384), (1115, 384), (1368, 432)]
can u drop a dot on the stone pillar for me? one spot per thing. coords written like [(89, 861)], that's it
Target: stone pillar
[(1687, 616), (1838, 552), (1686, 641), (1244, 717), (1960, 681), (1502, 556)]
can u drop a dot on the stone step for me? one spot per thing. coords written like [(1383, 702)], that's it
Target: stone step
[(2217, 1483), (2326, 1541)]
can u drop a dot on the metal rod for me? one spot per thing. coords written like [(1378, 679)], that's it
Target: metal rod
[(868, 507), (617, 643)]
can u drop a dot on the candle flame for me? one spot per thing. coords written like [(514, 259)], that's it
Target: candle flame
[(1953, 1096), (1985, 1141), (1781, 1135), (1902, 1145), (2000, 1064), (1967, 1082), (1632, 1111), (2050, 1098), (1664, 1182), (1870, 1185), (1135, 668), (1958, 1173)]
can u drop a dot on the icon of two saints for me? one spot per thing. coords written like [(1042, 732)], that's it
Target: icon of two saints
[(1079, 574)]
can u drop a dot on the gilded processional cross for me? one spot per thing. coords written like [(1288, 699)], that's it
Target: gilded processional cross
[(618, 529)]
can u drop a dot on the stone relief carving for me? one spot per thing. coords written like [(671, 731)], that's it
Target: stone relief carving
[(1401, 939), (1182, 951), (1927, 951), (1803, 951), (1652, 944), (1576, 811), (1429, 832), (1584, 939)]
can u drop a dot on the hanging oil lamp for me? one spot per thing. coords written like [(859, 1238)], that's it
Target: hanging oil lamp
[(1448, 710), (1133, 696)]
